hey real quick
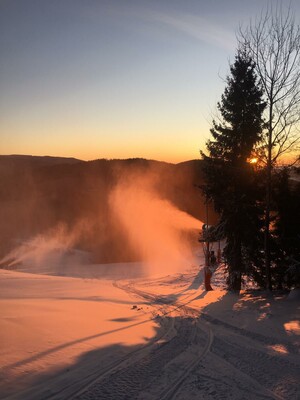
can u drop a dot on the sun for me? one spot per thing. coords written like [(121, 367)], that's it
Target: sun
[(253, 160)]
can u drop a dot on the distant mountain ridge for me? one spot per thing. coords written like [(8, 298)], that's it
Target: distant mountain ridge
[(52, 160), (45, 160)]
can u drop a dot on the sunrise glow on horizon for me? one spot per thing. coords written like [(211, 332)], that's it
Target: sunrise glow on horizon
[(114, 79)]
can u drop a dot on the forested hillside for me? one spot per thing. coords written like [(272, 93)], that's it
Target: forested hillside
[(39, 193)]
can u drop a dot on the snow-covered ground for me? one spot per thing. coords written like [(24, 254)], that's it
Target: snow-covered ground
[(144, 337)]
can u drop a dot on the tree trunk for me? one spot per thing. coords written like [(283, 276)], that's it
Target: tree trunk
[(268, 205), (235, 275)]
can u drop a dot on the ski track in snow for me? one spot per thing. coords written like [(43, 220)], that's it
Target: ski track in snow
[(204, 360), (193, 356)]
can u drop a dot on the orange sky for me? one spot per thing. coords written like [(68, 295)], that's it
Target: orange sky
[(117, 79)]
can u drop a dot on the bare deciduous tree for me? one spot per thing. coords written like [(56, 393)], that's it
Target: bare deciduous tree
[(273, 41)]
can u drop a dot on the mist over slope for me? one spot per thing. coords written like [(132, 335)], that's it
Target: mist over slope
[(90, 202)]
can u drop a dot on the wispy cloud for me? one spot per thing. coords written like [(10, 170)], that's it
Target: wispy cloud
[(197, 27)]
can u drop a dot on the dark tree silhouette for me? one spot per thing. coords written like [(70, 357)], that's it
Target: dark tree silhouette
[(230, 178), (286, 251), (273, 41)]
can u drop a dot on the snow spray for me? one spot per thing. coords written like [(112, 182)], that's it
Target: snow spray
[(53, 248), (155, 228)]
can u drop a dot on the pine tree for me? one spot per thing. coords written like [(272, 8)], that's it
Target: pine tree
[(273, 41), (230, 179)]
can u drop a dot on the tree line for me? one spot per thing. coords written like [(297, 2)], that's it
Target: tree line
[(257, 126)]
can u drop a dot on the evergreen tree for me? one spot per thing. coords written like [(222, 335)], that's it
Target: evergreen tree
[(273, 41), (231, 182)]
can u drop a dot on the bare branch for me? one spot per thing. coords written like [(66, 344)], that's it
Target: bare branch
[(273, 41)]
